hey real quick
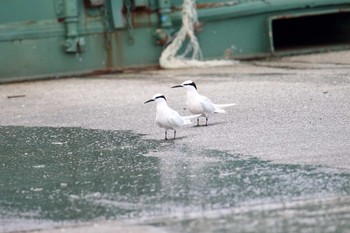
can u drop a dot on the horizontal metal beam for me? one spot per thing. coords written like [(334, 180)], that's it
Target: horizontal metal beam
[(260, 7)]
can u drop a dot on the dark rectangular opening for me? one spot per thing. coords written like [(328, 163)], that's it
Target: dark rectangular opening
[(311, 31)]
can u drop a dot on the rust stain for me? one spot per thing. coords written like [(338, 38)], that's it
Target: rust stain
[(139, 12), (124, 70), (344, 10), (208, 5), (97, 72), (109, 49), (118, 47), (288, 16)]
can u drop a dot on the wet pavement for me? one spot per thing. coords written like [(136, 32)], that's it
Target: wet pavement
[(84, 155)]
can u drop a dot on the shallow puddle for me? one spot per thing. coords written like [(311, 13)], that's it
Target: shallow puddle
[(54, 175)]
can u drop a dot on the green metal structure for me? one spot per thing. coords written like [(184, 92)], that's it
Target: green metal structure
[(54, 38)]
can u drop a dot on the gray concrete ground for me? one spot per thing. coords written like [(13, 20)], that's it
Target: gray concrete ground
[(288, 110)]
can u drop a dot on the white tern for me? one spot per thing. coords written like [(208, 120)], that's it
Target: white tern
[(199, 104), (168, 118)]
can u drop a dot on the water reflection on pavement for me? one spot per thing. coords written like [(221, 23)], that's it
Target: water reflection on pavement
[(61, 176)]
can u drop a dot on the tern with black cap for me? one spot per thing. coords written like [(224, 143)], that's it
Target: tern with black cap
[(199, 104), (166, 117)]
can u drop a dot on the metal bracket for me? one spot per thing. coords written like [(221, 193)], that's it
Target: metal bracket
[(59, 8), (164, 13), (116, 8), (163, 34), (68, 11)]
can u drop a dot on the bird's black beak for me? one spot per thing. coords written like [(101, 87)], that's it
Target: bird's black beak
[(149, 101), (177, 86)]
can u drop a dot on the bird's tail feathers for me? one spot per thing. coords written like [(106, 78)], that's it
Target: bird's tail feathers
[(221, 106), (219, 110)]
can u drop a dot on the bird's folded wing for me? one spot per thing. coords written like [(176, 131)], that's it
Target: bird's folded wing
[(187, 119), (207, 104), (191, 117), (175, 120)]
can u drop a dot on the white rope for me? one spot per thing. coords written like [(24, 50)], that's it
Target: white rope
[(169, 59)]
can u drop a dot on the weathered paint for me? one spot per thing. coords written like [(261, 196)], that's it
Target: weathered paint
[(65, 40)]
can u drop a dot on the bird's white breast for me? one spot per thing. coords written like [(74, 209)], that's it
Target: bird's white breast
[(198, 104), (167, 118)]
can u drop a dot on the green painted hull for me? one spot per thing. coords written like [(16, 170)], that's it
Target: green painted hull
[(54, 38)]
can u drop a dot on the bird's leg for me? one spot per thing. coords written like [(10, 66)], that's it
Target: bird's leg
[(166, 133), (174, 134), (198, 121), (206, 121)]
